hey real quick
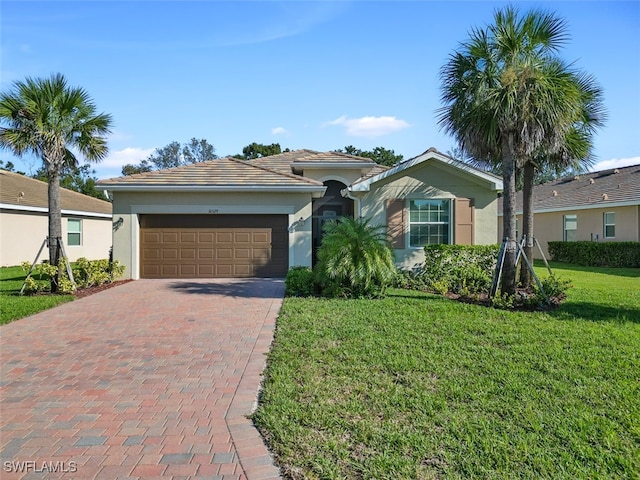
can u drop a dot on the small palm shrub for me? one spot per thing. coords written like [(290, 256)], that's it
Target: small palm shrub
[(354, 259)]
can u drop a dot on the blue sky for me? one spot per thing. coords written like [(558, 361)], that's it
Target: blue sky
[(319, 75)]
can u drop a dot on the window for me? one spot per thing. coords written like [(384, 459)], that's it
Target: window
[(570, 228), (74, 232), (428, 222), (609, 224)]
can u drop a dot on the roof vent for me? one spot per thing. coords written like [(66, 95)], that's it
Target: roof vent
[(20, 196), (615, 170), (554, 193), (577, 177), (605, 196), (592, 181)]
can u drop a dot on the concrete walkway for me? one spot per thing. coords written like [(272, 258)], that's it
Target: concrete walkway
[(150, 379)]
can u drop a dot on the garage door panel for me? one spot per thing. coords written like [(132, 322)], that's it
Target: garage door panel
[(188, 253), (206, 246), (261, 253), (206, 253), (188, 237), (169, 237), (224, 237), (206, 238), (168, 270), (242, 237), (242, 253)]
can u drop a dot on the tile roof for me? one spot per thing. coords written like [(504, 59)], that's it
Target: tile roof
[(24, 192), (286, 162), (223, 172), (272, 171), (590, 190)]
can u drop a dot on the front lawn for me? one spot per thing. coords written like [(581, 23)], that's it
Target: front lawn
[(14, 306), (419, 386)]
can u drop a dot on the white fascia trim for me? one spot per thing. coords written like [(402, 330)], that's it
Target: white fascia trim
[(365, 185), (210, 188), (628, 203), (214, 209), (332, 165), (6, 206)]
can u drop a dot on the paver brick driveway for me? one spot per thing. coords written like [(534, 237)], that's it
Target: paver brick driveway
[(150, 379)]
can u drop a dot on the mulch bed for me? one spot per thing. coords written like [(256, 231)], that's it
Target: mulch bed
[(85, 292)]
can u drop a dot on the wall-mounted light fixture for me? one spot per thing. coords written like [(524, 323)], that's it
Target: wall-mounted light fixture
[(296, 224), (118, 223)]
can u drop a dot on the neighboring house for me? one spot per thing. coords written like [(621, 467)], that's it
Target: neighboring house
[(235, 218), (600, 206), (24, 223)]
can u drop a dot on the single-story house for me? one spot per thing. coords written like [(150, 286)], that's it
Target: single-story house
[(601, 206), (235, 218), (24, 221)]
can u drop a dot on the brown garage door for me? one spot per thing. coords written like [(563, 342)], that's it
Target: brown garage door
[(208, 246)]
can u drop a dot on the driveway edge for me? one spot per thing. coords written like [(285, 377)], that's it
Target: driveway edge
[(253, 455)]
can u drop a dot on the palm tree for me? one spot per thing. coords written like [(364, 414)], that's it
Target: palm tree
[(575, 153), (356, 255), (47, 118), (507, 98)]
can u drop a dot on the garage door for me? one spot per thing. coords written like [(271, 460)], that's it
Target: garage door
[(209, 246)]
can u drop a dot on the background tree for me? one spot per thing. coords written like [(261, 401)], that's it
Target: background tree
[(9, 167), (80, 179), (174, 155), (259, 150), (508, 98), (48, 118), (380, 155)]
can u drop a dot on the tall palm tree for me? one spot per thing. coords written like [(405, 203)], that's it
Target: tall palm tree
[(575, 152), (507, 97), (47, 118)]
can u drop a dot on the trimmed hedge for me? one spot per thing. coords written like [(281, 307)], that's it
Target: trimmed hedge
[(597, 254)]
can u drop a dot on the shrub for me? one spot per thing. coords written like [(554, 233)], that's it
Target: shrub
[(41, 275), (597, 254), (86, 273), (354, 259), (300, 282), (464, 269)]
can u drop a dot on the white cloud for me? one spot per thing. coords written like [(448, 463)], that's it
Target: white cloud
[(112, 165), (615, 163), (279, 131), (369, 126)]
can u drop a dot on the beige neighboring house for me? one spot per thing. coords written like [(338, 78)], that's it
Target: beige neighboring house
[(24, 223), (235, 218), (600, 206)]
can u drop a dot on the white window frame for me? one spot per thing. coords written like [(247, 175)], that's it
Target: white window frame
[(605, 224), (448, 223), (574, 217), (74, 221)]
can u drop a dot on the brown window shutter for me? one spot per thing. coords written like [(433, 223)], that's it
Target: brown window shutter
[(464, 216), (395, 222)]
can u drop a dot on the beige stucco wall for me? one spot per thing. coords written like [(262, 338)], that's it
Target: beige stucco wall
[(22, 235), (549, 226), (431, 181), (128, 205)]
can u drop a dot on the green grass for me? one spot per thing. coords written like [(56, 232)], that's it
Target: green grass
[(14, 306), (419, 386)]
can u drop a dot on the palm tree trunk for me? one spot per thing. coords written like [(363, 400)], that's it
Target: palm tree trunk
[(527, 219), (55, 223), (509, 215)]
